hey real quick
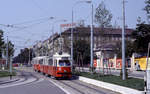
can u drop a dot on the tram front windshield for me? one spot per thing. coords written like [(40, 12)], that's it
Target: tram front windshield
[(64, 63)]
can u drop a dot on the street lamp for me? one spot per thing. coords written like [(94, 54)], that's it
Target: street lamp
[(62, 20), (72, 28)]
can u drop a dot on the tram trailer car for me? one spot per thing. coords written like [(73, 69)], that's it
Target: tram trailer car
[(57, 66), (37, 63)]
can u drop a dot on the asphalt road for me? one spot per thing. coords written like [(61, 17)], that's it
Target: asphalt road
[(35, 83), (30, 84)]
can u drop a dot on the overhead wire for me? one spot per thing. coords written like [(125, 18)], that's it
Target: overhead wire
[(31, 21), (39, 7), (11, 26), (29, 26)]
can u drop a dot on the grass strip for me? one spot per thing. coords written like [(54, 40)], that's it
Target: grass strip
[(134, 83), (6, 73)]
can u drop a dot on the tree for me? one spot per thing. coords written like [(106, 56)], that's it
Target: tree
[(23, 57), (147, 9), (142, 38), (1, 43), (129, 49), (10, 49), (103, 16), (82, 51)]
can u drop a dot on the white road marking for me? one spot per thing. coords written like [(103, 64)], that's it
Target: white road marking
[(67, 92), (40, 80)]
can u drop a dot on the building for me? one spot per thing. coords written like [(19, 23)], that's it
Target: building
[(104, 39)]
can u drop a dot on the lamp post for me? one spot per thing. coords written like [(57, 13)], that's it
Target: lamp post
[(72, 28), (123, 43)]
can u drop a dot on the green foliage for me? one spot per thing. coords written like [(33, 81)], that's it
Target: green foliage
[(147, 9), (103, 16), (6, 73), (1, 43), (142, 38), (82, 48), (23, 57), (3, 46), (10, 49), (129, 48)]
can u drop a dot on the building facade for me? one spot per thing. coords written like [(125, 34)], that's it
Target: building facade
[(104, 40)]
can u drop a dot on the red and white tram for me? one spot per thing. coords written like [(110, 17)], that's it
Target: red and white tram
[(57, 66)]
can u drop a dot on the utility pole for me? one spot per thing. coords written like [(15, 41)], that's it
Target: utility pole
[(72, 61), (92, 42), (7, 53), (53, 40), (29, 56), (72, 42), (8, 59), (123, 44), (61, 41), (10, 67), (147, 74)]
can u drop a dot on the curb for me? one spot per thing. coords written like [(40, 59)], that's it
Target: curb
[(10, 81), (113, 87)]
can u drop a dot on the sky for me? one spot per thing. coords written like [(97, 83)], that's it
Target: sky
[(31, 18)]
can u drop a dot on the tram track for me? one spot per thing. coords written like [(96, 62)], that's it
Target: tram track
[(77, 82), (78, 90), (81, 88), (73, 86), (27, 76)]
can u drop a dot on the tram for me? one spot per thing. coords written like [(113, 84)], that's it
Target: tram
[(57, 66)]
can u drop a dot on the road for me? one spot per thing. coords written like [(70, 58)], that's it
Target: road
[(35, 83), (30, 84)]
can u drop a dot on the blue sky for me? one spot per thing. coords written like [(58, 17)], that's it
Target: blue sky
[(18, 11)]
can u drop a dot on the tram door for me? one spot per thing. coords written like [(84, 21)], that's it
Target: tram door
[(55, 66)]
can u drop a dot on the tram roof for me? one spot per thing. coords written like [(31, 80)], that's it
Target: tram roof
[(60, 55), (40, 57)]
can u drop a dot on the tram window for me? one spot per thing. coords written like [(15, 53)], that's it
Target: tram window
[(41, 61), (50, 61), (64, 63)]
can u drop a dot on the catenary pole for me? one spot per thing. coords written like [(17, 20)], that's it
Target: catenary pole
[(123, 43), (7, 53), (91, 60), (72, 40)]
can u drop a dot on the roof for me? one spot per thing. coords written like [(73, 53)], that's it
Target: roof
[(99, 30)]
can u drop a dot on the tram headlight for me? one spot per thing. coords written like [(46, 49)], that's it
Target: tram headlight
[(65, 71), (59, 69)]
